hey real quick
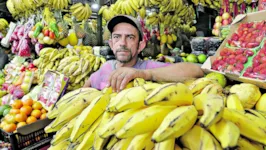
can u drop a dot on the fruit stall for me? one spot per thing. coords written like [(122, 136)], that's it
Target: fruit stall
[(50, 48)]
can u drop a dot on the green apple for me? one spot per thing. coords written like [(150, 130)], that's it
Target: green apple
[(202, 58), (28, 73), (25, 87), (218, 77), (27, 79)]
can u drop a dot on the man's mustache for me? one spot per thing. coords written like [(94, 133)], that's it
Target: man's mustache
[(123, 50)]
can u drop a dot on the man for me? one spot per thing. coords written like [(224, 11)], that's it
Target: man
[(127, 42)]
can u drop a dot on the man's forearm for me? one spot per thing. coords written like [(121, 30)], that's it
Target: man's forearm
[(174, 73)]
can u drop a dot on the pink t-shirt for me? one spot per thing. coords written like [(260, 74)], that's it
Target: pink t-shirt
[(99, 79)]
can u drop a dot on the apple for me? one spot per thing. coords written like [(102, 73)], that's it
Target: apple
[(217, 25), (27, 79), (225, 22), (215, 32), (218, 19), (40, 36), (225, 16)]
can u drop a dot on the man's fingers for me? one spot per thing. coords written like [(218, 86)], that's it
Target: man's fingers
[(125, 81), (119, 80), (113, 81)]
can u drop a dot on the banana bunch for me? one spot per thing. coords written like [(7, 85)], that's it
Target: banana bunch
[(152, 19), (76, 63), (19, 8), (59, 4), (160, 116), (81, 11), (3, 24), (214, 4), (107, 12), (168, 39)]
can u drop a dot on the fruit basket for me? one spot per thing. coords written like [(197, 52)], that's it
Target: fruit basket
[(28, 137)]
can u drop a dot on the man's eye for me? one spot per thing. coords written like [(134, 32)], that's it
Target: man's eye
[(131, 37)]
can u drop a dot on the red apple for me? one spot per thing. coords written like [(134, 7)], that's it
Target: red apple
[(225, 22)]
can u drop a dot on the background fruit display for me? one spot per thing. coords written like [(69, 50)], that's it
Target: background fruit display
[(77, 63), (205, 110), (221, 21)]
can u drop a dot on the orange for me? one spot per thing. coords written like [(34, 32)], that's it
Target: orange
[(21, 117), (31, 119), (10, 127), (3, 123), (36, 113), (14, 111), (43, 116), (37, 105), (28, 102), (10, 118), (20, 124), (26, 110), (17, 104), (43, 111)]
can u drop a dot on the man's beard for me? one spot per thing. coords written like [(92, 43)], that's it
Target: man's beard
[(129, 57)]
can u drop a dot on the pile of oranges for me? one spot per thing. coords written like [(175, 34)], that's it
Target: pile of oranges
[(22, 113)]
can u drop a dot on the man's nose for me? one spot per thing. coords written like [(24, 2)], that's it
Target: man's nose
[(123, 41)]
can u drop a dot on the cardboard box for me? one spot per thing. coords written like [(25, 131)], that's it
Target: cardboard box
[(242, 18)]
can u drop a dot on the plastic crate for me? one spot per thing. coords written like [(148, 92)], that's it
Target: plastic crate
[(28, 137)]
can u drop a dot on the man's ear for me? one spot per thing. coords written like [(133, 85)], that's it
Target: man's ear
[(142, 45)]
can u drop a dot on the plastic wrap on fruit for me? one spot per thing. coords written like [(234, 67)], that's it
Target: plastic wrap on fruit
[(54, 28), (20, 33), (14, 48), (24, 48), (38, 29), (6, 99), (38, 48)]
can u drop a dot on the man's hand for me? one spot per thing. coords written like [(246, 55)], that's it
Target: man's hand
[(120, 77)]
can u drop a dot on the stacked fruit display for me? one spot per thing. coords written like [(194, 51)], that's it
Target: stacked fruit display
[(232, 61), (22, 113), (220, 21), (160, 117), (257, 69), (76, 63), (248, 35)]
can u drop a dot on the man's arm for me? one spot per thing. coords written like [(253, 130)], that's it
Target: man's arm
[(172, 73)]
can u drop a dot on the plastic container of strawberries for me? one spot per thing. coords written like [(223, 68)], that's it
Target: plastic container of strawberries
[(28, 137)]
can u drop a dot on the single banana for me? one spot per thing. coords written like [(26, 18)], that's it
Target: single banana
[(198, 85), (176, 94), (89, 115), (166, 144), (253, 129), (226, 132), (141, 141), (116, 123), (88, 138), (199, 138), (122, 144), (176, 123), (112, 142), (131, 99), (64, 132), (245, 144), (213, 110), (145, 120), (62, 145), (233, 102)]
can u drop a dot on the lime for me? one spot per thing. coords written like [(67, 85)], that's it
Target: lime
[(218, 77), (6, 111), (2, 109), (184, 59), (202, 58), (192, 58)]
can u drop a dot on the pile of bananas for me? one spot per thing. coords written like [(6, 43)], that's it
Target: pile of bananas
[(3, 25), (77, 63), (195, 114), (81, 11)]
